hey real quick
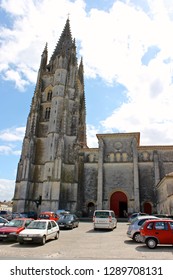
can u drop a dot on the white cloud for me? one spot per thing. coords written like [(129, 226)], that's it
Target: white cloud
[(12, 134), (92, 140), (9, 150), (6, 189)]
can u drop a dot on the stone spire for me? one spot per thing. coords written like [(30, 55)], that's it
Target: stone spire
[(65, 43), (43, 62)]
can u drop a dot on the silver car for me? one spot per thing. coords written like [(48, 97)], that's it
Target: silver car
[(133, 230), (3, 221)]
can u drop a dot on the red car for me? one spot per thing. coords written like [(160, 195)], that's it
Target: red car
[(154, 232), (48, 215), (11, 230)]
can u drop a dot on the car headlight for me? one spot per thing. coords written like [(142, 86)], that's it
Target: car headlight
[(12, 233)]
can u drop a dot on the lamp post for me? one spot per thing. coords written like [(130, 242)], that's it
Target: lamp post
[(38, 201)]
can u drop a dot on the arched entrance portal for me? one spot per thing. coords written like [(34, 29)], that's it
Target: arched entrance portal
[(91, 208), (118, 203), (147, 208)]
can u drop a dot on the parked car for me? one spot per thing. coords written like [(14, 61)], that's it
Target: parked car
[(17, 215), (48, 215), (104, 219), (68, 221), (133, 230), (62, 212), (11, 230), (3, 221), (167, 216), (29, 214), (157, 232), (6, 214), (39, 231), (134, 215)]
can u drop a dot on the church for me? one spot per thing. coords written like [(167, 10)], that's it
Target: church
[(57, 169)]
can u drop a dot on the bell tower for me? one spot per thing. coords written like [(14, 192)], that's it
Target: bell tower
[(55, 132)]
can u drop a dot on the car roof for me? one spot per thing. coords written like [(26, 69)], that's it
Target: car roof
[(22, 219), (47, 212), (161, 220), (43, 220), (106, 210), (139, 214), (146, 216)]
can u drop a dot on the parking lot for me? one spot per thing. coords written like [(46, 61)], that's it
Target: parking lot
[(85, 243)]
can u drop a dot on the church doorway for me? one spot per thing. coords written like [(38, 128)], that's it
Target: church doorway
[(91, 208), (118, 203), (147, 208)]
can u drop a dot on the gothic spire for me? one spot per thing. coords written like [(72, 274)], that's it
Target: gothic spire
[(65, 42), (44, 58)]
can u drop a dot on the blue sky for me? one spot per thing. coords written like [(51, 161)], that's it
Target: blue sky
[(127, 51)]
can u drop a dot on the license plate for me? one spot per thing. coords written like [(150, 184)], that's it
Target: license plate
[(3, 235), (27, 238)]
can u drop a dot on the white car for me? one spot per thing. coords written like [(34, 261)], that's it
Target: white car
[(39, 231), (104, 219)]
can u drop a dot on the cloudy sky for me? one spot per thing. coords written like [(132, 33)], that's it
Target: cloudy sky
[(127, 50)]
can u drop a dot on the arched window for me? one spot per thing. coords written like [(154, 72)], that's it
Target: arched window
[(47, 114), (49, 95)]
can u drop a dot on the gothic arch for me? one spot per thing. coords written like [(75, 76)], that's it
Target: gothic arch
[(90, 208), (118, 203), (48, 93), (147, 206)]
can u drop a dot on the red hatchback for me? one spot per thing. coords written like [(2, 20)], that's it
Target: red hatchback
[(11, 230), (156, 232), (48, 215)]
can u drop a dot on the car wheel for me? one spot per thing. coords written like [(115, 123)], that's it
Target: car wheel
[(21, 242), (57, 235), (137, 237), (151, 243), (43, 241)]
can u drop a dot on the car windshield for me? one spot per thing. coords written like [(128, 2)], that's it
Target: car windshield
[(65, 217), (37, 225), (15, 223), (44, 216), (2, 220), (102, 214), (134, 220)]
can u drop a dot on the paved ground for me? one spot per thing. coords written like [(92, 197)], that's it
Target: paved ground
[(85, 243)]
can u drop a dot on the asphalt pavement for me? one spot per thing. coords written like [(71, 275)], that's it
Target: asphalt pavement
[(85, 243)]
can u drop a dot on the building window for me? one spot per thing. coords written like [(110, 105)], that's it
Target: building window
[(47, 114), (49, 95)]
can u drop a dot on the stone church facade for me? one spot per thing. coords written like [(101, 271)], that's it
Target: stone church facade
[(57, 170)]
